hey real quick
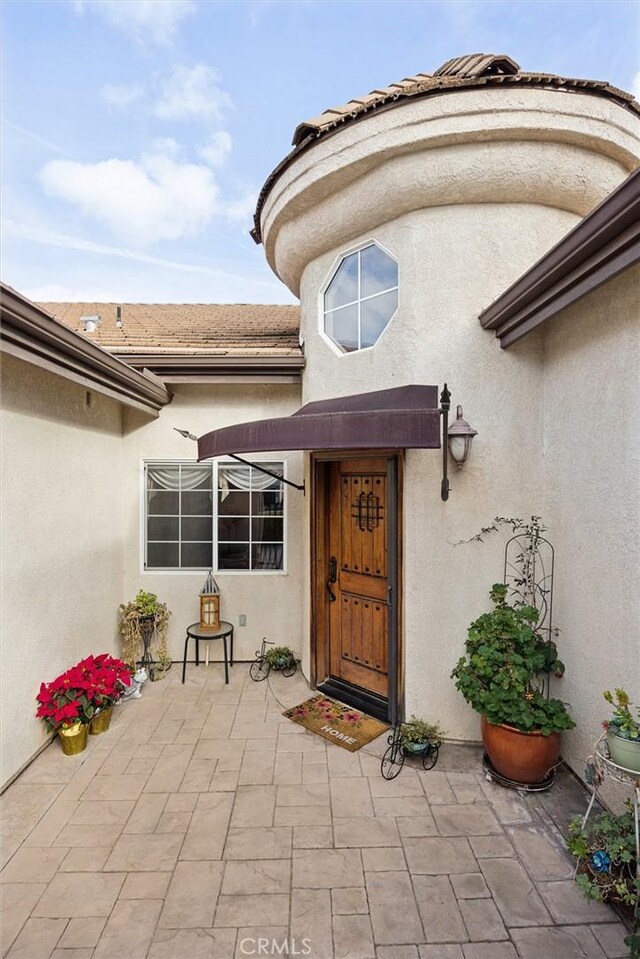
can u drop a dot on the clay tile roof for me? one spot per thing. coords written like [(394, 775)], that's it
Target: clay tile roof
[(460, 73), (478, 65), (475, 69), (189, 329)]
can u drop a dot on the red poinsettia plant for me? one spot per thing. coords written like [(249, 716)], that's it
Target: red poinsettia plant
[(75, 696), (107, 678)]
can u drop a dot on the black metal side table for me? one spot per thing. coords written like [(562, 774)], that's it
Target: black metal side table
[(196, 633)]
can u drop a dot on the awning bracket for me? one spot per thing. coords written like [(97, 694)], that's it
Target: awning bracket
[(256, 466), (263, 469)]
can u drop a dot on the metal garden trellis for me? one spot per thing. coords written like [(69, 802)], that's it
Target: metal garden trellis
[(529, 566)]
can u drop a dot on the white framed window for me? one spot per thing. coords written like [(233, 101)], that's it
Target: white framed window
[(360, 298), (225, 515)]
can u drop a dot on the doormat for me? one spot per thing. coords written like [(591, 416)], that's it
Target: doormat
[(343, 725)]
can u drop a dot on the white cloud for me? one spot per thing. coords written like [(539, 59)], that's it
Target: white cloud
[(120, 95), (193, 93), (241, 210), (155, 20), (216, 151), (157, 198), (635, 86), (168, 146)]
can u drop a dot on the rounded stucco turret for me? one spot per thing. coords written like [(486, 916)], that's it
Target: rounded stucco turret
[(397, 219), (479, 130)]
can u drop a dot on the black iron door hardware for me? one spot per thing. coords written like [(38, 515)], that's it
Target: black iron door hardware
[(333, 576)]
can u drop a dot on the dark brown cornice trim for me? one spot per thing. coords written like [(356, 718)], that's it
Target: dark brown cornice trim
[(31, 334), (179, 368), (603, 244)]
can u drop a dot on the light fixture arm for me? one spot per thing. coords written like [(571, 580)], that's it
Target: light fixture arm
[(445, 406)]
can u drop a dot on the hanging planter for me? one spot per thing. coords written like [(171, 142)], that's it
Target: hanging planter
[(73, 739)]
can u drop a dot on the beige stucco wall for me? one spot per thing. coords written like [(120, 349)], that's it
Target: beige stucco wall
[(451, 260), (592, 497), (467, 191), (71, 490), (271, 601), (61, 485)]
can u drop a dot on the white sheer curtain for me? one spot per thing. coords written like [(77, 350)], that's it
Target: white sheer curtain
[(168, 477), (240, 478)]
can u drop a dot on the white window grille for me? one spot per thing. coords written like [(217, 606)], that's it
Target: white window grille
[(226, 515)]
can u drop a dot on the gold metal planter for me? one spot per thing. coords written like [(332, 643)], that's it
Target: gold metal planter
[(100, 722), (73, 739)]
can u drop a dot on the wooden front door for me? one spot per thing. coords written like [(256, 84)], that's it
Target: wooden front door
[(358, 625)]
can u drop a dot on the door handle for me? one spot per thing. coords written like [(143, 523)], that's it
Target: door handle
[(333, 576)]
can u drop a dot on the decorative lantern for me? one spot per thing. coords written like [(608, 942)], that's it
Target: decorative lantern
[(460, 439), (210, 605)]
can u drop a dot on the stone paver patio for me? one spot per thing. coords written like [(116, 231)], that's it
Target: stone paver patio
[(203, 822)]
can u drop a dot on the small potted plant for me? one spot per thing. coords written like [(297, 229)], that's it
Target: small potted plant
[(499, 678), (605, 851), (65, 708), (143, 627), (282, 658), (416, 735), (109, 677), (623, 731)]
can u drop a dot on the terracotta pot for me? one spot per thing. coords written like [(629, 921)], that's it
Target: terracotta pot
[(100, 722), (522, 757), (73, 739)]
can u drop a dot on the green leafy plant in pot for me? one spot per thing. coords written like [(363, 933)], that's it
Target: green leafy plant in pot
[(500, 677), (280, 657), (605, 850), (416, 735), (145, 622), (623, 731)]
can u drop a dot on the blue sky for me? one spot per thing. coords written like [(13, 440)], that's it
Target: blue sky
[(137, 133)]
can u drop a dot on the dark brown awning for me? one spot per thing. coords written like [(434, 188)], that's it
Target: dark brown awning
[(406, 417)]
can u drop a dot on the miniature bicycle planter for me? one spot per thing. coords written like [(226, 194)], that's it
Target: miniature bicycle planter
[(398, 750), (265, 661)]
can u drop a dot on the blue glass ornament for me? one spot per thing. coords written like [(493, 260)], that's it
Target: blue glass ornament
[(601, 861)]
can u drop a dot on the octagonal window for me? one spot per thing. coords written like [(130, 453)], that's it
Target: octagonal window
[(361, 298)]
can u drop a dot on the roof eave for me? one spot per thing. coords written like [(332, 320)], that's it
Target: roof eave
[(605, 243), (181, 368), (31, 334)]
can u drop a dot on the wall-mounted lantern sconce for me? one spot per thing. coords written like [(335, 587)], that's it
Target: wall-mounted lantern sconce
[(460, 439), (456, 439)]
